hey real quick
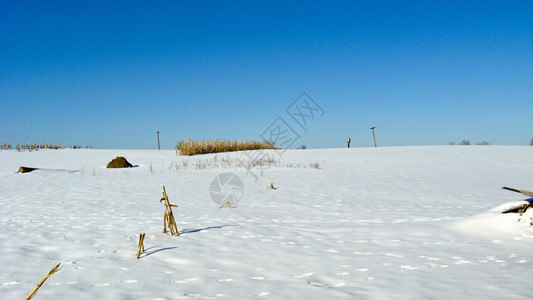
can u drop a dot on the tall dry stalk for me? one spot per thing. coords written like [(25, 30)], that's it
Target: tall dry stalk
[(140, 247), (168, 218)]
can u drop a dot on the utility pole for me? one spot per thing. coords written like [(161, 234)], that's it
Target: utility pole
[(158, 147), (374, 134), (348, 140)]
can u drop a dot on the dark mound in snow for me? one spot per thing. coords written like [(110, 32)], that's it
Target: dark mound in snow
[(119, 162)]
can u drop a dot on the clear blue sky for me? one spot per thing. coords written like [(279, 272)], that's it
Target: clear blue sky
[(111, 73)]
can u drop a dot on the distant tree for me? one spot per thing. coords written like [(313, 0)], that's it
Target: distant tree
[(531, 143), (465, 142), (483, 143), (303, 147), (451, 143)]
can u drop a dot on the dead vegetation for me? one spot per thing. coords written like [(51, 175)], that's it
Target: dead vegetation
[(36, 146), (227, 161), (189, 147), (54, 269), (168, 218)]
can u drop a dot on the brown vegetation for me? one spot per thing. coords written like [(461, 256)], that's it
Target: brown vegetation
[(189, 147)]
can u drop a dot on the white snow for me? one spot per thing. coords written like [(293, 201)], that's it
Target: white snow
[(370, 223)]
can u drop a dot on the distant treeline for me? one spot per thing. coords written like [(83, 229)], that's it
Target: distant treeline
[(37, 146), (188, 147)]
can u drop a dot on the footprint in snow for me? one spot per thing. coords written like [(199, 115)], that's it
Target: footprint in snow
[(320, 284), (317, 284), (393, 255), (186, 280), (130, 281), (342, 274), (303, 275), (430, 258)]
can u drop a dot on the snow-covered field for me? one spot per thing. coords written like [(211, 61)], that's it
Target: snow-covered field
[(370, 223)]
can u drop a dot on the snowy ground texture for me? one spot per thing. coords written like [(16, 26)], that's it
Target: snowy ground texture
[(370, 223)]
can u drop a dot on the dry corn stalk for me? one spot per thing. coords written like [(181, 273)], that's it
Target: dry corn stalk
[(271, 186), (54, 269), (141, 245), (227, 202), (169, 216)]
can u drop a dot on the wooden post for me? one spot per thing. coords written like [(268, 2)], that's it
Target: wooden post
[(374, 134), (158, 147), (348, 140)]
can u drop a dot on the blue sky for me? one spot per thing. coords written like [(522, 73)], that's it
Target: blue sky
[(109, 74)]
